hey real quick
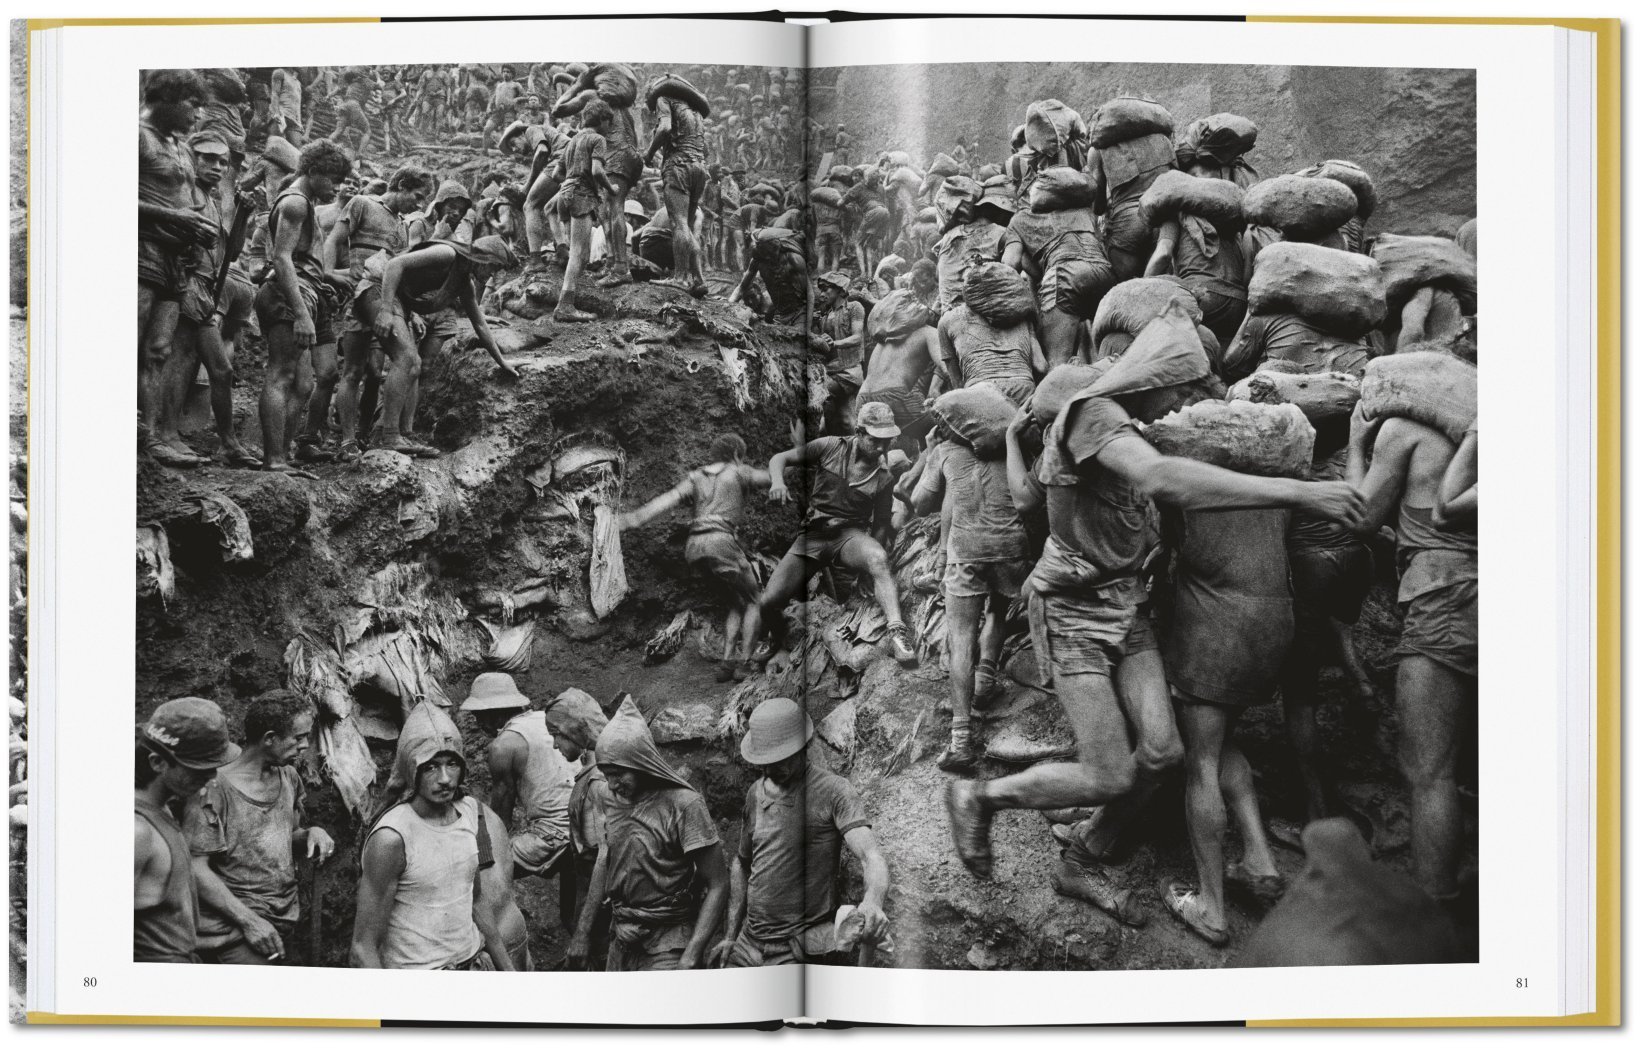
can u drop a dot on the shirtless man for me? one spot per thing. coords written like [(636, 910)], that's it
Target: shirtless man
[(849, 522), (504, 99), (1401, 467), (295, 306), (246, 832), (776, 256), (178, 751), (718, 492), (1097, 475), (897, 374), (623, 163), (530, 779)]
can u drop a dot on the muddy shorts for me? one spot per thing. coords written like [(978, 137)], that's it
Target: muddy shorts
[(163, 268), (844, 384), (907, 404), (238, 297), (1328, 582), (827, 546), (625, 165), (977, 579), (271, 308), (1441, 624), (1089, 631), (658, 950), (575, 203), (718, 556), (828, 235), (687, 181), (237, 952), (1075, 286), (480, 962), (1126, 229), (362, 311)]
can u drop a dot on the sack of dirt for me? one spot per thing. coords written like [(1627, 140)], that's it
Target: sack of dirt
[(1320, 397), (944, 164), (1352, 175), (1274, 441), (1050, 125), (1340, 292), (896, 315), (1126, 118), (1218, 201), (979, 415), (840, 173), (907, 178), (956, 191), (1300, 207), (1132, 305), (672, 86), (1061, 384), (1430, 387), (1221, 138), (615, 82), (1059, 189), (999, 294), (826, 195), (1410, 263)]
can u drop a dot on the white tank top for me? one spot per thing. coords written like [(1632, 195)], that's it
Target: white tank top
[(548, 779), (431, 925)]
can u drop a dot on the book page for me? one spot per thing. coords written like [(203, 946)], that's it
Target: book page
[(390, 607), (1133, 801)]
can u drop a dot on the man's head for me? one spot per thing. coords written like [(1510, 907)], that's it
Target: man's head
[(408, 190), (182, 744), (494, 699), (438, 780), (874, 431), (322, 166), (597, 115), (626, 784), (925, 278), (727, 448), (833, 288), (211, 157), (506, 72), (173, 98), (280, 723), (1148, 406), (776, 740)]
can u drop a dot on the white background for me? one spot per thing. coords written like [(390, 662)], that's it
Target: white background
[(1494, 8)]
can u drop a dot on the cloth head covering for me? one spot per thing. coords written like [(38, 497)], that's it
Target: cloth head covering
[(576, 716), (451, 190), (1344, 908), (494, 250), (626, 742), (892, 263), (877, 420), (428, 730), (834, 278), (1167, 352)]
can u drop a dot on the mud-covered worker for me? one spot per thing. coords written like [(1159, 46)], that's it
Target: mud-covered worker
[(851, 508), (246, 833), (576, 719), (543, 229), (898, 373), (297, 305), (1401, 467), (1097, 478), (680, 137), (530, 780), (208, 324), (1062, 254), (783, 879), (616, 86), (660, 845), (718, 494), (422, 904), (974, 237), (582, 199), (178, 751), (840, 342), (170, 231), (504, 100), (368, 232), (429, 278), (1210, 264), (986, 560), (1121, 173), (972, 350), (776, 257), (285, 85)]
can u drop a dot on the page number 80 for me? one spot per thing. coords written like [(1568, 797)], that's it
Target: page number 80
[(88, 983)]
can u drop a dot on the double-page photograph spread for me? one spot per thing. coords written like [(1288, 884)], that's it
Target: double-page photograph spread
[(932, 522)]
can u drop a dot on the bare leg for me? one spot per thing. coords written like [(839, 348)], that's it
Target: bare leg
[(216, 351), (427, 350), (868, 555), (785, 582), (1205, 727), (404, 365), (536, 229), (356, 350), (1429, 697), (325, 374), (962, 617), (1298, 703), (279, 392), (580, 246), (1241, 797), (1060, 330), (1103, 769), (175, 380), (1141, 690)]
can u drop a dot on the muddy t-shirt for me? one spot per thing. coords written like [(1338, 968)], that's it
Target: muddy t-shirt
[(1290, 338), (1092, 511), (165, 170), (834, 502), (587, 146), (371, 227), (649, 842), (686, 143), (985, 527), (1050, 238), (249, 843), (790, 846), (842, 323)]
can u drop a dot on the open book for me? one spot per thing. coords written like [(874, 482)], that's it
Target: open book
[(933, 522)]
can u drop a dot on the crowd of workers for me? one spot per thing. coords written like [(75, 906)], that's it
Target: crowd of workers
[(1103, 276)]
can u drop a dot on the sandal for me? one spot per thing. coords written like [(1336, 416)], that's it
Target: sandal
[(614, 280), (349, 452), (287, 469), (1266, 890), (1185, 902), (411, 447), (166, 456), (239, 456)]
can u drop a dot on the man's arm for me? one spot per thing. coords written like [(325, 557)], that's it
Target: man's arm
[(504, 758), (777, 473), (481, 328), (656, 507), (338, 243), (1161, 260), (597, 889), (290, 213), (1455, 499), (737, 913), (1382, 481), (950, 361), (148, 881), (709, 865), (1026, 491), (215, 896), (379, 872), (929, 491), (862, 843), (487, 904)]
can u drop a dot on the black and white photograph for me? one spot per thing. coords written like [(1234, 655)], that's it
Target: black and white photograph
[(616, 517)]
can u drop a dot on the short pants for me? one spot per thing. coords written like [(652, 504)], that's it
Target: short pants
[(238, 297), (719, 556), (1076, 287), (687, 180), (576, 203), (1090, 631), (162, 267), (827, 546), (660, 950), (1328, 582), (271, 308), (625, 165), (1441, 625), (1126, 229), (361, 315), (828, 235), (978, 579), (907, 404)]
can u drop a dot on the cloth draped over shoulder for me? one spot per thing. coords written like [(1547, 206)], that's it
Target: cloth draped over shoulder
[(626, 742), (1173, 355)]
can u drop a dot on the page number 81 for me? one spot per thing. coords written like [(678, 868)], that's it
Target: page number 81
[(1521, 983)]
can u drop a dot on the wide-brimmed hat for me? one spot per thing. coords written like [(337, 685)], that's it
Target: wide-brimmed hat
[(777, 729), (192, 732), (491, 690), (633, 208), (877, 420)]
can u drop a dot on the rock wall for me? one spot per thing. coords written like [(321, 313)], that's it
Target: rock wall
[(1413, 129)]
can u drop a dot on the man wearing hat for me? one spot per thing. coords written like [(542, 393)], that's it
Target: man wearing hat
[(783, 879), (898, 373), (527, 772), (851, 507), (178, 751), (842, 332)]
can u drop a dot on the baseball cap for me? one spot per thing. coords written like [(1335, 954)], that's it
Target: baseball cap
[(777, 729), (191, 731), (877, 420)]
